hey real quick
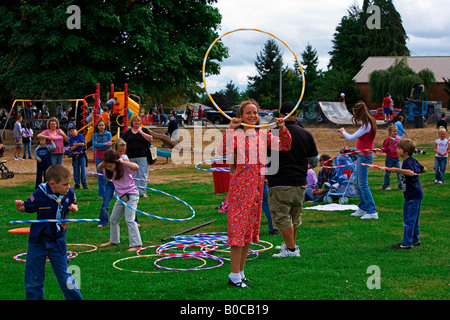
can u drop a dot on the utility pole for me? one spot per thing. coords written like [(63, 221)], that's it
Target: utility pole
[(281, 81)]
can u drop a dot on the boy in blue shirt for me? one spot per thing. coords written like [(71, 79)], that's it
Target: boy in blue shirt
[(43, 161), (77, 147), (52, 200), (412, 192)]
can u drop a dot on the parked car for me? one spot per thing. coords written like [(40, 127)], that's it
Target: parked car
[(379, 113)]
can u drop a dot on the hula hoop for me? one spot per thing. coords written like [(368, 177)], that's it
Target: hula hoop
[(83, 245), (71, 255), (136, 257), (191, 269), (212, 169), (54, 220), (101, 174), (344, 154), (154, 216), (270, 34), (380, 167), (145, 248)]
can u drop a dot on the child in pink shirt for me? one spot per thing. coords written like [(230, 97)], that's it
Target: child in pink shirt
[(120, 173), (392, 158)]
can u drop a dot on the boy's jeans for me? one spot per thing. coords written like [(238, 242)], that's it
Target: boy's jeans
[(411, 212), (79, 170), (35, 270)]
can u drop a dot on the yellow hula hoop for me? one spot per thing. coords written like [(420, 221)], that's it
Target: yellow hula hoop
[(272, 35)]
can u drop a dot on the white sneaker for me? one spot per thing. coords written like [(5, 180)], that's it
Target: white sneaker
[(358, 213), (285, 253), (387, 188), (370, 216)]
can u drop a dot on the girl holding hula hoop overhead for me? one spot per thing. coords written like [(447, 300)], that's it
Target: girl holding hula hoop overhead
[(247, 147), (366, 138)]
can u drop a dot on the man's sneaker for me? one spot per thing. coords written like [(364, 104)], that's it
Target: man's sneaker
[(400, 246), (285, 253), (387, 188), (370, 216), (416, 244), (358, 213)]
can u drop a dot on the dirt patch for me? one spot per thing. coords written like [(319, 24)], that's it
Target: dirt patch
[(327, 139)]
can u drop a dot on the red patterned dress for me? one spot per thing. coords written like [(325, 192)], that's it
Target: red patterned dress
[(248, 150)]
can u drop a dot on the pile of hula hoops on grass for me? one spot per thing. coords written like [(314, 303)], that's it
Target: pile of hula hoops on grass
[(207, 248)]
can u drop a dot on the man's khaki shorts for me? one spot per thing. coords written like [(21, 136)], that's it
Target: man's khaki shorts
[(286, 206), (18, 143)]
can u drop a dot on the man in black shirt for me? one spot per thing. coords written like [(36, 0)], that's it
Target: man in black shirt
[(442, 122), (287, 186)]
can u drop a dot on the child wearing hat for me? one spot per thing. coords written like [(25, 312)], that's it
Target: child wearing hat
[(79, 160)]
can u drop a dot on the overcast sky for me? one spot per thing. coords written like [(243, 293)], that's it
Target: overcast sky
[(299, 22)]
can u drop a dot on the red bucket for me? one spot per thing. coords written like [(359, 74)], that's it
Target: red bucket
[(221, 178)]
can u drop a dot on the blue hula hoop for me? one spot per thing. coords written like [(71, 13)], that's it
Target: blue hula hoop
[(155, 216), (212, 169)]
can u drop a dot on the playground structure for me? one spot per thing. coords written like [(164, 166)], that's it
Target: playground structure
[(119, 117)]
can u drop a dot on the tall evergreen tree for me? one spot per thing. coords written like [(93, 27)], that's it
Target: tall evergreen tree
[(310, 63), (265, 86), (389, 40), (345, 41)]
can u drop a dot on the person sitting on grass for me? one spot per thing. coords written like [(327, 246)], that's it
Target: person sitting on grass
[(326, 174)]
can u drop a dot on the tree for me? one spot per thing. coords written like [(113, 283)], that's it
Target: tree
[(265, 86), (232, 93), (389, 40), (343, 56), (310, 63), (153, 45), (353, 42), (398, 81)]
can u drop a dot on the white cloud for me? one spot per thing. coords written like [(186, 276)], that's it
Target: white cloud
[(300, 22)]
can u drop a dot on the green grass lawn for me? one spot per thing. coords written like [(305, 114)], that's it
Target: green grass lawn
[(337, 250)]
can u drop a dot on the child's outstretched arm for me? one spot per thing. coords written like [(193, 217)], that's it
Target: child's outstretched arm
[(20, 205), (73, 207), (406, 172)]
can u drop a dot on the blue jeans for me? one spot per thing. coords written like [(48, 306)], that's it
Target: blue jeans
[(79, 170), (101, 179), (107, 197), (391, 163), (141, 173), (440, 164), (411, 212), (265, 206), (366, 202), (310, 196), (57, 158), (35, 270), (25, 147)]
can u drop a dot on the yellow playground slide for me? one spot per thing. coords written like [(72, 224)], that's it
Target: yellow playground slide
[(133, 108)]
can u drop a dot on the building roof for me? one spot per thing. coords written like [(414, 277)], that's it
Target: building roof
[(440, 66)]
